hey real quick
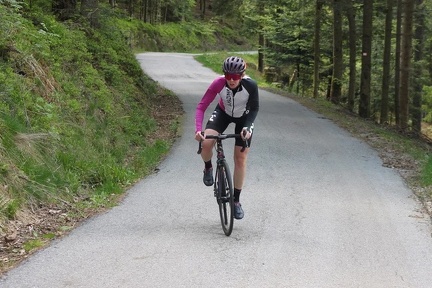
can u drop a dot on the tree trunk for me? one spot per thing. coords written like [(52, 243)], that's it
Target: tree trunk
[(386, 63), (317, 52), (405, 65), (353, 55), (155, 12), (365, 81), (261, 38), (397, 62), (130, 7), (336, 86), (261, 53), (203, 8), (90, 11), (145, 10), (418, 57), (164, 14), (64, 9)]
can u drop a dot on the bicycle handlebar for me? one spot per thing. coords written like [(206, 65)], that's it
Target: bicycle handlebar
[(223, 137)]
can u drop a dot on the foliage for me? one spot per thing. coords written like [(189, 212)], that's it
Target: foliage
[(192, 36), (74, 109), (214, 61), (288, 29), (427, 172), (159, 11), (427, 104), (289, 34)]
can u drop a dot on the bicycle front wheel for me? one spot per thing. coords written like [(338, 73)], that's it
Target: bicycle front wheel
[(225, 197)]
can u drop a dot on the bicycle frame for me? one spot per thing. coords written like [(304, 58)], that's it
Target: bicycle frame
[(220, 154)]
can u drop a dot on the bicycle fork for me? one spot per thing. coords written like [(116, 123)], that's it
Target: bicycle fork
[(219, 166)]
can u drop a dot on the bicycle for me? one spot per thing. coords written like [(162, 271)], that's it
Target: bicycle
[(223, 186)]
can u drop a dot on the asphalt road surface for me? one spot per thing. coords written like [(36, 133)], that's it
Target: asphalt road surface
[(320, 211)]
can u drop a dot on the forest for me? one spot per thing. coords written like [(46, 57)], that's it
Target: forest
[(79, 120), (372, 57)]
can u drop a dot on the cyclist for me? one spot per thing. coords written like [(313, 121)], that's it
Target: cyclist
[(238, 103)]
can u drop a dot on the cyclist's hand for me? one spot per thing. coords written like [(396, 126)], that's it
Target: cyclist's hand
[(199, 136), (245, 134)]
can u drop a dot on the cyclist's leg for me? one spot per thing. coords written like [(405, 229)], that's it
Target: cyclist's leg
[(240, 158), (207, 145), (215, 125)]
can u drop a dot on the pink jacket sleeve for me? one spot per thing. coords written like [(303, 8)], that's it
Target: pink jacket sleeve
[(213, 90)]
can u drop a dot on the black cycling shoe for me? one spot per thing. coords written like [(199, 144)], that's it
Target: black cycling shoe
[(208, 177), (238, 211)]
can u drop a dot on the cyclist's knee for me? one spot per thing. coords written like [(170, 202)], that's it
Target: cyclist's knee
[(240, 159), (207, 145), (240, 154)]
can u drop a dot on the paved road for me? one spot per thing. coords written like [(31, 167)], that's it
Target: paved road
[(320, 211)]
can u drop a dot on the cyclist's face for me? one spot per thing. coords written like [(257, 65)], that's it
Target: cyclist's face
[(233, 83), (233, 80)]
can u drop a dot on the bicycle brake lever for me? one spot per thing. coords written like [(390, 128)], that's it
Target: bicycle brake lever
[(245, 145), (199, 147), (245, 141)]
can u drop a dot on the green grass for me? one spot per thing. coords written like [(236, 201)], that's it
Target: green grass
[(214, 61), (75, 121), (427, 172), (33, 244)]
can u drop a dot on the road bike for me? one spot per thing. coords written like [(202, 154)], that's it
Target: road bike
[(223, 185)]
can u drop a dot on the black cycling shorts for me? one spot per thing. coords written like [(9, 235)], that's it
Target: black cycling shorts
[(219, 121)]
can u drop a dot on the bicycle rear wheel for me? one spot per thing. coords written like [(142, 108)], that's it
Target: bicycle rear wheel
[(225, 197)]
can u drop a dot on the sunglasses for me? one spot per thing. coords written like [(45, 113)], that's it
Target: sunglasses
[(235, 77)]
